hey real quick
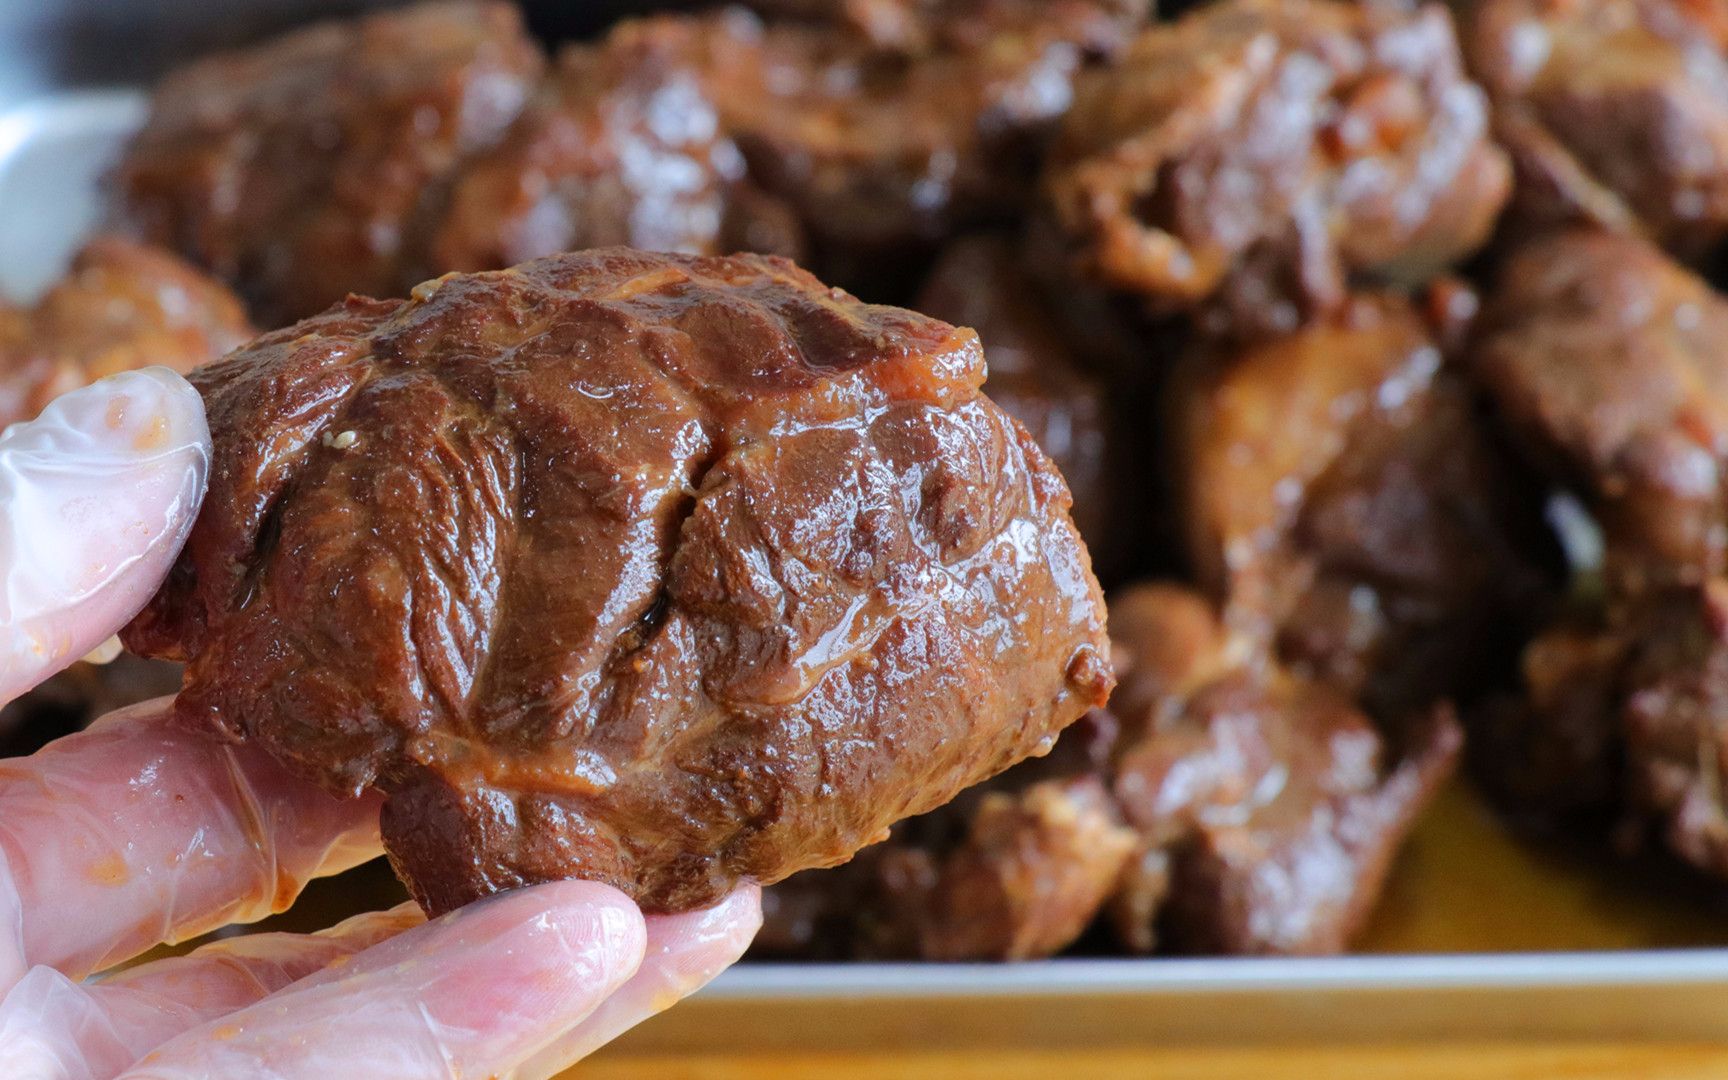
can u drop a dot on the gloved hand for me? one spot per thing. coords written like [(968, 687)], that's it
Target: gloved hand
[(140, 831)]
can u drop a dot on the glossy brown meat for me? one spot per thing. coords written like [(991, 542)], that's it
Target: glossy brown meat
[(1346, 504), (1035, 374), (1220, 805), (1551, 754), (1615, 112), (1267, 808), (622, 145), (310, 166), (886, 145), (1013, 869), (1022, 874), (1255, 155), (1675, 694), (120, 306), (1610, 362), (661, 571)]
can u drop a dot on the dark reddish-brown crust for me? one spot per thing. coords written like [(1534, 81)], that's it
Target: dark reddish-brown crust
[(1606, 359), (662, 571), (886, 135)]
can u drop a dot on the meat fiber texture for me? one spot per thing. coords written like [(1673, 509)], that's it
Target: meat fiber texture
[(664, 571)]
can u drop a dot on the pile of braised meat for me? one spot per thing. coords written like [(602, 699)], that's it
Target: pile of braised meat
[(1379, 343)]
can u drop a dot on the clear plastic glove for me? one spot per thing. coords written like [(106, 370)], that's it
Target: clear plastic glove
[(139, 831)]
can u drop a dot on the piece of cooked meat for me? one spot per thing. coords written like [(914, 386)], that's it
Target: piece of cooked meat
[(1267, 807), (1615, 112), (1255, 155), (1026, 874), (1013, 869), (1220, 804), (1674, 690), (1620, 724), (657, 570), (887, 147), (622, 145), (1609, 362), (312, 165), (1348, 507), (1035, 374), (120, 306)]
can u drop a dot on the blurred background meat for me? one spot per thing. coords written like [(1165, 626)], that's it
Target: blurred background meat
[(1267, 805), (1349, 507), (1615, 112), (1017, 869), (366, 155), (886, 142), (1257, 155), (621, 145), (1609, 363), (120, 306), (311, 166)]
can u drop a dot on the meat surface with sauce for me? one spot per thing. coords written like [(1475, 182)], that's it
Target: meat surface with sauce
[(662, 571), (623, 144), (365, 155), (1268, 807), (1615, 112), (1255, 156), (1352, 510), (1016, 868), (1609, 362), (1035, 373), (1220, 804), (314, 164), (887, 140)]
